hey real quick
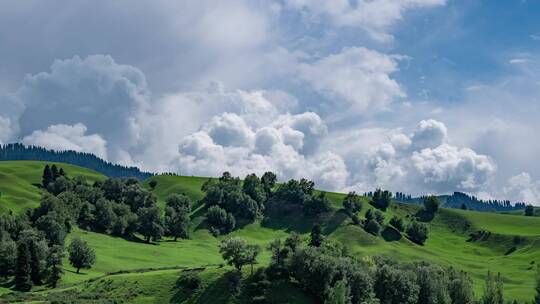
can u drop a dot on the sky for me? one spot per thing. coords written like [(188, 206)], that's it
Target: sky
[(417, 96)]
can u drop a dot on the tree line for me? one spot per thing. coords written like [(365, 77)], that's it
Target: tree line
[(17, 151)]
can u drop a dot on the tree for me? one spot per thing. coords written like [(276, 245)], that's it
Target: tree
[(269, 181), (150, 223), (339, 294), (431, 204), (104, 215), (178, 202), (177, 223), (81, 255), (316, 204), (352, 203), (152, 184), (23, 280), (234, 251), (417, 232), (460, 287), (381, 199), (395, 285), (529, 210), (54, 265), (252, 251), (8, 255), (372, 226), (219, 220), (54, 172), (316, 237), (47, 177), (254, 188), (537, 287), (493, 289), (397, 222)]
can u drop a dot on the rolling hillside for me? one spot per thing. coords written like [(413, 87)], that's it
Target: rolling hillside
[(468, 240)]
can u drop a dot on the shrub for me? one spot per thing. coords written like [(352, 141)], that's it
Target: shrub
[(397, 223), (431, 204), (189, 280), (417, 232), (372, 226)]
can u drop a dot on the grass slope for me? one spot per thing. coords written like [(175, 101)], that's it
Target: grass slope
[(20, 180), (510, 243)]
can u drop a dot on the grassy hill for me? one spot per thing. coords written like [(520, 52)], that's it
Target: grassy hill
[(468, 240)]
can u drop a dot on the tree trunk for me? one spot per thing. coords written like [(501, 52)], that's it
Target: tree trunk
[(175, 238), (78, 270)]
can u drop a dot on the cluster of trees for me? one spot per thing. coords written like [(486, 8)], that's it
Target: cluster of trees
[(230, 199), (529, 210), (115, 206), (374, 219), (331, 275), (33, 247), (18, 151), (460, 200)]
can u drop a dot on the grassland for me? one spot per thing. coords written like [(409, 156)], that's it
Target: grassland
[(505, 243)]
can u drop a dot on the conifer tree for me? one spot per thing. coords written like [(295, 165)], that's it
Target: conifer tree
[(22, 271)]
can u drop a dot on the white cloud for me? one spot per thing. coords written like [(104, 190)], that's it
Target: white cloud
[(523, 188), (376, 17), (358, 76), (66, 137), (229, 129), (449, 167), (429, 134)]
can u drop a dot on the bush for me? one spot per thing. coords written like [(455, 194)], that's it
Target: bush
[(372, 226), (417, 232), (220, 220), (431, 204), (234, 282), (397, 223), (189, 280)]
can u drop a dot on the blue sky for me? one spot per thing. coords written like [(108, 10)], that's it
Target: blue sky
[(418, 96)]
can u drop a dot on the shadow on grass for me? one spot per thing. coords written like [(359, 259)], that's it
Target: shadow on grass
[(215, 292), (391, 234)]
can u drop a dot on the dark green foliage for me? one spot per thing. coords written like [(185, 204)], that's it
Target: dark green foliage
[(379, 217), (316, 237), (81, 255), (234, 282), (23, 281), (104, 215), (372, 226), (259, 286), (177, 223), (381, 199), (417, 232), (179, 202), (352, 203), (431, 204), (529, 210), (268, 180), (460, 287), (316, 204), (432, 283), (54, 265), (397, 223), (47, 176), (113, 189), (8, 254), (150, 223), (493, 289), (152, 184), (54, 227), (339, 293), (219, 220), (395, 286), (252, 251), (189, 279), (254, 188)]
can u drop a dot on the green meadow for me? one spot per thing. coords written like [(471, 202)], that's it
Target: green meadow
[(472, 241)]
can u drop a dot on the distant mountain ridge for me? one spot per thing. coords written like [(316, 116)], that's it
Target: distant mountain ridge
[(17, 151), (460, 200)]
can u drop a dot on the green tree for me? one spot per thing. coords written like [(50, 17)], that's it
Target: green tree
[(152, 184), (268, 180), (372, 226), (252, 251), (219, 220), (352, 204), (316, 237), (177, 223), (529, 210), (81, 256), (254, 188), (397, 222), (150, 223), (23, 269), (460, 287), (47, 177), (339, 293), (8, 255), (417, 232), (493, 289), (381, 199), (395, 286), (234, 251), (54, 265), (431, 204), (179, 202)]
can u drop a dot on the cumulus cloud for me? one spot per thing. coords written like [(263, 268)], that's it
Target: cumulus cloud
[(523, 188), (449, 167), (376, 17), (358, 76), (68, 137), (429, 134)]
